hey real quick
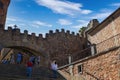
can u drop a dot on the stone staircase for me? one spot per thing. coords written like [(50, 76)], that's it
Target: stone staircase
[(18, 72)]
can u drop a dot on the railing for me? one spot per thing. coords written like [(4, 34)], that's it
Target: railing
[(105, 45), (75, 56), (82, 54)]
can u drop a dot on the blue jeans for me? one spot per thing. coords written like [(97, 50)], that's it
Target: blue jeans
[(54, 73), (19, 60), (29, 71)]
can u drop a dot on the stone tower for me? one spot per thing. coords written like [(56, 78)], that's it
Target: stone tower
[(3, 12)]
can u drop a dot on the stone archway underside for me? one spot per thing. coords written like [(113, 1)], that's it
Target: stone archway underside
[(25, 49)]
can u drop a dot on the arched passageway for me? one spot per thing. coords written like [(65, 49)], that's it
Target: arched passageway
[(26, 52)]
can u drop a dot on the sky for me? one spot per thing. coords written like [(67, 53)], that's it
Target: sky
[(40, 16)]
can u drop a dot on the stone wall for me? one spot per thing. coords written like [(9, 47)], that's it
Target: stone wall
[(105, 64), (3, 11), (101, 66), (55, 45), (108, 28), (104, 67), (62, 43)]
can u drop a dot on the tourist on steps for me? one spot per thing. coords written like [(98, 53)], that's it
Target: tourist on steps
[(29, 68), (12, 59), (32, 59), (38, 60), (54, 68), (19, 58)]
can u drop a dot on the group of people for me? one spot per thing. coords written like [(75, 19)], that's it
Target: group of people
[(33, 60), (53, 67), (18, 59), (5, 61), (12, 59)]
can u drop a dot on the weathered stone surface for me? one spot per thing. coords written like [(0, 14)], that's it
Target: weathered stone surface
[(105, 64), (56, 45), (3, 11), (104, 67)]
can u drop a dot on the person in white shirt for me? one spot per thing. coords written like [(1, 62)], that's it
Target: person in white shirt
[(54, 68)]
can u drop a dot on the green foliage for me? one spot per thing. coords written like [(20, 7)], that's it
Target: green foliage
[(82, 29)]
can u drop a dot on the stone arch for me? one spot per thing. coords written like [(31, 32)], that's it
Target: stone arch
[(29, 51), (28, 47)]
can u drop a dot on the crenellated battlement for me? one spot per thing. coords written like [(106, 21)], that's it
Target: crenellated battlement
[(68, 32), (58, 41), (50, 31), (93, 23), (62, 30), (55, 44), (9, 28), (33, 35), (40, 36), (57, 33)]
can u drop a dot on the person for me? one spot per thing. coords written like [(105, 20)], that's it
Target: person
[(7, 61), (38, 60), (12, 60), (32, 59), (19, 58), (29, 68), (4, 61), (54, 68)]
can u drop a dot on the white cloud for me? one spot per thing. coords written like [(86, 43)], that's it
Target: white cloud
[(115, 4), (20, 25), (63, 7), (20, 22), (82, 21), (11, 19), (14, 19), (101, 15), (64, 22), (81, 24), (10, 25), (38, 24), (85, 11)]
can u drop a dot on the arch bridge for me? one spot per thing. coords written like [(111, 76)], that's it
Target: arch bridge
[(55, 45)]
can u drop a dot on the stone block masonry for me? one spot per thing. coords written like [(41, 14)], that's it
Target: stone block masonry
[(3, 12)]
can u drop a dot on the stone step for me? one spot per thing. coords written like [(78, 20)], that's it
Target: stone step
[(29, 79), (12, 69), (26, 78), (18, 72)]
